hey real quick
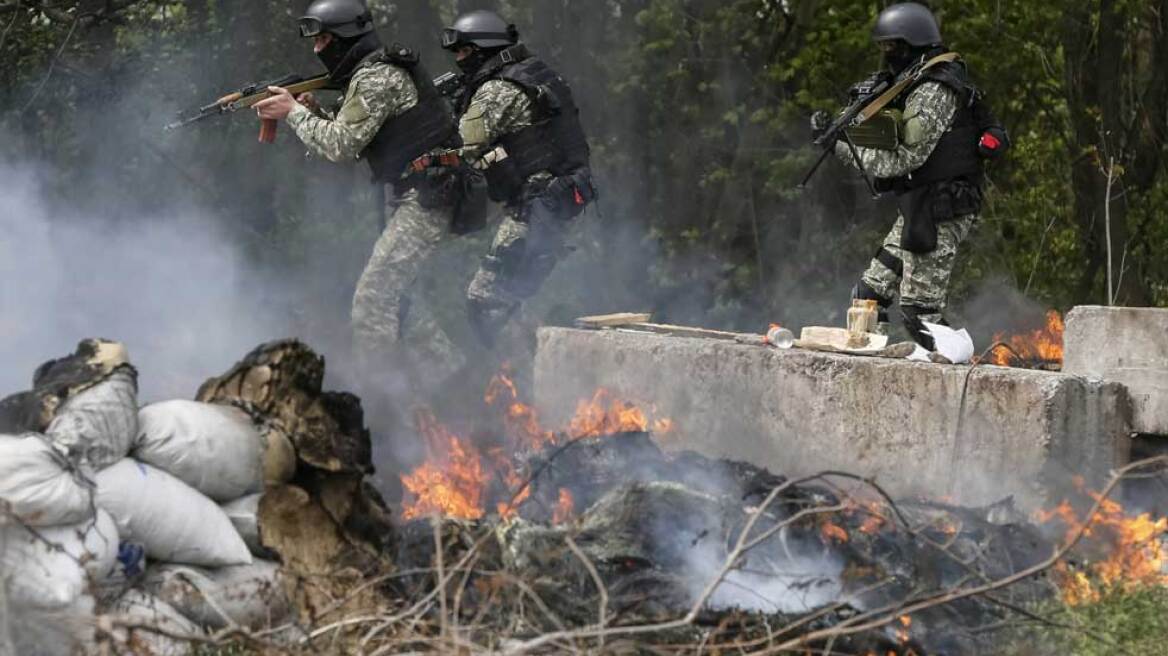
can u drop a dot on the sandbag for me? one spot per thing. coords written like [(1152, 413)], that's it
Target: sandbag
[(243, 513), (139, 608), (64, 631), (40, 485), (99, 424), (250, 596), (213, 448), (55, 566), (170, 519)]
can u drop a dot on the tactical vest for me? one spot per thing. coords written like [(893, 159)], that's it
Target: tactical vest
[(420, 129), (956, 155), (555, 142)]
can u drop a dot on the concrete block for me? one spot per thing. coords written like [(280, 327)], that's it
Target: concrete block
[(1125, 345), (1023, 433)]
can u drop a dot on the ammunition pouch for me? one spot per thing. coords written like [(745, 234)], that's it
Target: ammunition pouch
[(881, 132)]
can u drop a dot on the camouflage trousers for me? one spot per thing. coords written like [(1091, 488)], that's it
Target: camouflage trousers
[(382, 299), (529, 242), (919, 280)]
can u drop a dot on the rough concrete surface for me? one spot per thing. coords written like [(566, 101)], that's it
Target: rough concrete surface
[(1129, 346), (1024, 433)]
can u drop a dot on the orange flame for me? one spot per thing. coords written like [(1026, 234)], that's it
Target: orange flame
[(565, 510), (830, 532), (1044, 345), (453, 481), (1136, 550)]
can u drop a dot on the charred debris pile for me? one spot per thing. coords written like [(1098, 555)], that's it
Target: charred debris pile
[(587, 539)]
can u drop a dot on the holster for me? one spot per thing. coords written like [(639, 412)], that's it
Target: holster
[(925, 207), (470, 205)]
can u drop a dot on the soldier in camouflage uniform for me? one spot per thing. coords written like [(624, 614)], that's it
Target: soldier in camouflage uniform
[(390, 115), (520, 125), (935, 171)]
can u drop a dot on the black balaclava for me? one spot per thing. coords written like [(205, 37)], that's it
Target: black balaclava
[(902, 56), (475, 60), (342, 55)]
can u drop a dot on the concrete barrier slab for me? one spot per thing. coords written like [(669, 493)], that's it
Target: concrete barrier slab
[(1023, 433), (1129, 346)]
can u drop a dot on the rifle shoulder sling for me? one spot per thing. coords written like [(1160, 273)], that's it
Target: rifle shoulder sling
[(888, 96)]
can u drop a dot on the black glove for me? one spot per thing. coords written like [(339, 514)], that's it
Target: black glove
[(820, 121)]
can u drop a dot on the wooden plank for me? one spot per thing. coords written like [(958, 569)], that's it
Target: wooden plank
[(689, 331), (612, 320)]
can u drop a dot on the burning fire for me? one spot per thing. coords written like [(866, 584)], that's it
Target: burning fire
[(1137, 550), (1042, 346), (456, 479), (565, 509), (452, 482)]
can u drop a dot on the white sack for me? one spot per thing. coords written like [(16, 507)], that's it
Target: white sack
[(250, 596), (213, 448), (244, 514), (99, 425), (173, 521), (137, 607), (54, 567), (52, 632), (38, 484)]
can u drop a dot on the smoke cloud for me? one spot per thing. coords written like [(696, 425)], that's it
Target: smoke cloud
[(172, 287)]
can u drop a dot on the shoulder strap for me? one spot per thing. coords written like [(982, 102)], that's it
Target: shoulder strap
[(888, 96)]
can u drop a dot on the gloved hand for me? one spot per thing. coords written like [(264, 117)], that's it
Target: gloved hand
[(820, 121)]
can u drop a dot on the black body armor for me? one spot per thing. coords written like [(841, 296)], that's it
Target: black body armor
[(948, 184), (554, 143), (425, 126)]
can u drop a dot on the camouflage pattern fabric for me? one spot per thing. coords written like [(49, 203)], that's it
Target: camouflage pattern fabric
[(531, 237), (925, 282), (928, 113), (526, 248), (376, 93), (498, 108), (411, 235)]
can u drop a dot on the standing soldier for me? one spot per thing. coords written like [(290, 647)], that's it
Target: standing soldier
[(520, 125), (390, 115), (935, 170)]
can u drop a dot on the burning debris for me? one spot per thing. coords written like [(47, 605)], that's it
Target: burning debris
[(1041, 348), (529, 540)]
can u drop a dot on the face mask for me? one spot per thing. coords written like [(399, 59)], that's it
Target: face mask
[(473, 62), (899, 58)]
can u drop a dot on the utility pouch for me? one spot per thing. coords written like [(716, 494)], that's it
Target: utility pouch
[(437, 188), (504, 181), (881, 132), (470, 206), (920, 227)]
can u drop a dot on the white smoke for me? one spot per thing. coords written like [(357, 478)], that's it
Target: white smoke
[(172, 287)]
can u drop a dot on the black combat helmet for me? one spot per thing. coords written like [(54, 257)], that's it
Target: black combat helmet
[(346, 19), (909, 22), (481, 28)]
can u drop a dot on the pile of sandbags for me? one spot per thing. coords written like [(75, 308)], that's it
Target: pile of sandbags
[(146, 515)]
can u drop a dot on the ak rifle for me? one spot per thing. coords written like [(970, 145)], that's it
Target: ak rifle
[(248, 96)]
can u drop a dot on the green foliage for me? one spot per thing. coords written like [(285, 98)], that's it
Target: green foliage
[(1135, 621)]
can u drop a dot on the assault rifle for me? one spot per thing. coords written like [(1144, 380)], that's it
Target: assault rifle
[(248, 96), (863, 95)]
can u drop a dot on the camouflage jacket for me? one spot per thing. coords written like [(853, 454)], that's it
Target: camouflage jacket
[(377, 93), (498, 108), (928, 113)]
